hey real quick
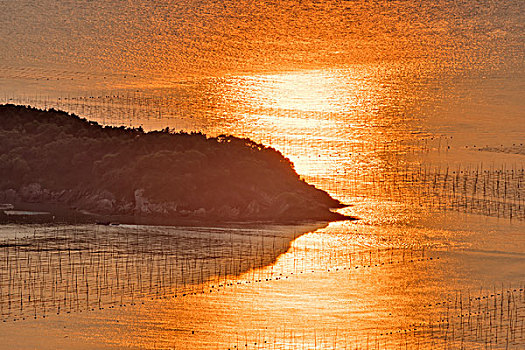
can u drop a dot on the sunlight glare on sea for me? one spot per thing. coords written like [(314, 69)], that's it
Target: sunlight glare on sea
[(410, 112)]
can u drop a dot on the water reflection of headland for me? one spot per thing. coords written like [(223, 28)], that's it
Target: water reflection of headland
[(63, 269)]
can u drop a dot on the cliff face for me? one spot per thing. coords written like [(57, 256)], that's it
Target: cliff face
[(53, 157)]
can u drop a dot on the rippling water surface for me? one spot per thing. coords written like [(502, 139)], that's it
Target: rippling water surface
[(409, 111)]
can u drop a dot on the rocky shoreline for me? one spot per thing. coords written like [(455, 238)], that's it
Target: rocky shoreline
[(69, 206)]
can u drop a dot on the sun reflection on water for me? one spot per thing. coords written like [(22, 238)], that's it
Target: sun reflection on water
[(305, 91), (314, 117)]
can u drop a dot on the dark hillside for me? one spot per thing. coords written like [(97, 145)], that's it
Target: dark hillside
[(53, 157)]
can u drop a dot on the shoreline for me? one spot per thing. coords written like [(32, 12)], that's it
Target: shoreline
[(56, 213)]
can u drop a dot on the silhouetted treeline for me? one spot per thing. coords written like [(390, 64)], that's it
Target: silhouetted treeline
[(51, 156)]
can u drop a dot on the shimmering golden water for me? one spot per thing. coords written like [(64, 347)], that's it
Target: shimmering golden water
[(380, 103)]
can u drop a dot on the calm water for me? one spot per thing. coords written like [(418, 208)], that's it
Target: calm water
[(411, 111)]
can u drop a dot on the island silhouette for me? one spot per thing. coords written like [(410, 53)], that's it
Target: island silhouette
[(59, 163)]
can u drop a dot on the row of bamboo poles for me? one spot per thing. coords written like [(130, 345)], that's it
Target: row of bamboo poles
[(73, 270), (497, 192), (495, 320)]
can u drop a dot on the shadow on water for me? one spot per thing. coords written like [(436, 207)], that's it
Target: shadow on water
[(80, 268)]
